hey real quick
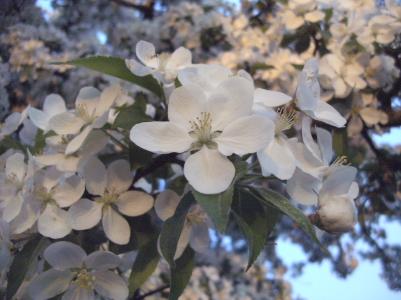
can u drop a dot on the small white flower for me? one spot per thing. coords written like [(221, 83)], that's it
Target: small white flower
[(12, 122), (111, 188), (196, 226), (77, 275), (163, 67)]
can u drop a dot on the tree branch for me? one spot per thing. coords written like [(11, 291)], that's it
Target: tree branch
[(158, 290)]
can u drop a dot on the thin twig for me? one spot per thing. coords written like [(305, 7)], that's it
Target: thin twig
[(158, 290)]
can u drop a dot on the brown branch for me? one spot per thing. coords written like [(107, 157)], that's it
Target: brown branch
[(158, 290)]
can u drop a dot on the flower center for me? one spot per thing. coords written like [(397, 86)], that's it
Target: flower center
[(107, 199), (201, 131), (84, 279), (340, 161), (285, 120), (83, 113), (44, 195)]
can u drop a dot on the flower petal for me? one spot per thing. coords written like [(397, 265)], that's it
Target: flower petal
[(326, 113), (137, 68), (64, 255), (16, 167), (102, 260), (115, 226), (75, 144), (270, 98), (38, 118), (208, 171), (88, 100), (49, 284), (339, 181), (84, 214), (53, 105), (134, 203), (69, 191), (199, 238), (207, 76), (166, 204), (53, 222), (308, 139), (107, 99), (25, 219), (160, 137), (66, 123), (95, 176), (325, 142), (119, 176), (12, 208), (75, 292), (110, 285), (146, 53), (245, 135), (179, 58), (302, 188)]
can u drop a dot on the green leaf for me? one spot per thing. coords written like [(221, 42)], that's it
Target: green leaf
[(145, 264), (115, 66), (8, 142), (256, 222), (172, 228), (22, 263), (131, 115), (272, 198), (181, 273)]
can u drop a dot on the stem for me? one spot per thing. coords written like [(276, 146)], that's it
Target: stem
[(121, 144), (158, 290)]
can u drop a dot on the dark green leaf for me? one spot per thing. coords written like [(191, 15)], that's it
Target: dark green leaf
[(116, 67), (8, 142), (181, 273), (130, 116), (256, 222), (172, 228), (22, 263), (145, 264)]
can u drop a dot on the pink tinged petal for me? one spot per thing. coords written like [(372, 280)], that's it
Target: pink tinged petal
[(75, 292), (199, 238), (146, 53), (53, 105), (270, 98), (88, 98), (339, 181), (25, 219), (66, 123), (302, 188), (49, 284), (85, 214), (69, 191), (13, 208), (277, 159), (137, 68), (16, 167), (115, 226), (233, 98), (39, 118), (119, 176), (325, 142), (179, 58), (245, 135), (110, 285), (308, 139), (95, 176), (53, 222), (208, 171), (102, 260), (64, 255), (134, 203), (166, 204), (186, 104), (75, 144), (161, 137), (328, 114)]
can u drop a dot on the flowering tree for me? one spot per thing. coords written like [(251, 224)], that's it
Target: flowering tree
[(205, 119)]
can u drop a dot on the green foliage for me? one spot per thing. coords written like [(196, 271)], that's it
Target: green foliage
[(23, 261), (181, 273), (132, 115), (116, 67)]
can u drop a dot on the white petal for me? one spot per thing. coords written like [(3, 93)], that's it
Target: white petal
[(245, 135), (16, 167), (302, 188), (207, 76), (119, 176), (233, 98), (314, 16), (69, 191), (64, 255), (38, 118), (95, 176), (179, 58), (53, 222), (270, 98), (50, 178), (325, 142), (134, 203), (137, 68), (49, 284), (66, 123), (13, 208), (84, 214), (76, 143), (341, 89), (115, 226), (107, 98), (25, 219), (277, 159), (199, 238), (183, 240), (308, 93), (110, 285), (339, 181), (166, 204), (146, 53), (186, 104), (353, 191), (94, 142), (208, 171), (75, 292), (53, 105), (88, 99), (102, 260), (160, 137), (326, 113), (308, 139)]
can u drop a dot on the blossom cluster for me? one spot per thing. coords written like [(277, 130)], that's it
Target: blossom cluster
[(65, 171)]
